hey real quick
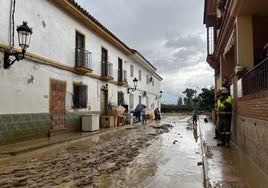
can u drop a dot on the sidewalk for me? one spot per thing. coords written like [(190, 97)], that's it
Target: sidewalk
[(30, 145), (227, 167), (222, 167)]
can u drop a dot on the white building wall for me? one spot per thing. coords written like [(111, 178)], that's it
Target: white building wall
[(26, 84)]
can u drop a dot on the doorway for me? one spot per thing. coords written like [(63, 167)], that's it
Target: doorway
[(57, 104), (104, 101)]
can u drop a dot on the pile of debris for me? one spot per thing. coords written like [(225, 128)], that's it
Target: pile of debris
[(165, 127)]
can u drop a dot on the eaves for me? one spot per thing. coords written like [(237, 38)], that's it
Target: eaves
[(227, 27), (142, 60), (75, 10)]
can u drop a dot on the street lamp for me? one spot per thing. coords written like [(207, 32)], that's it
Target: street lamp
[(135, 81), (161, 94), (24, 38)]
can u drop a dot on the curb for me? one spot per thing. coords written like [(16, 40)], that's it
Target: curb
[(204, 159), (64, 140)]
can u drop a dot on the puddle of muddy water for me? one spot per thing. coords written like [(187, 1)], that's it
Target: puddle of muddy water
[(140, 157), (170, 161)]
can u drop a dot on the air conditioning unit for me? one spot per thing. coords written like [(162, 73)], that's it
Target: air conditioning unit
[(90, 122)]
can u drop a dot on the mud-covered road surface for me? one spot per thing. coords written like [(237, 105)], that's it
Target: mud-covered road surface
[(159, 154)]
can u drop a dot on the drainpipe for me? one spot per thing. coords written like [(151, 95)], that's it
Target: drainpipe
[(11, 23)]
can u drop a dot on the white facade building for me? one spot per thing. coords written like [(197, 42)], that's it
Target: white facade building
[(73, 66)]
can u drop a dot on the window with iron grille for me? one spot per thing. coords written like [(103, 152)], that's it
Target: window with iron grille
[(80, 96)]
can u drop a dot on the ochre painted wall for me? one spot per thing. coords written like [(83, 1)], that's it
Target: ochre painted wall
[(244, 37)]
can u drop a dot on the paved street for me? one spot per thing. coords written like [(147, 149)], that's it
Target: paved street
[(168, 153), (138, 156)]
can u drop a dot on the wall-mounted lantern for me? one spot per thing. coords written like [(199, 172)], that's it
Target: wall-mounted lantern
[(135, 81), (24, 37), (161, 94)]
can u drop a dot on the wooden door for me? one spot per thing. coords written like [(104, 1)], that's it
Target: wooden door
[(57, 104)]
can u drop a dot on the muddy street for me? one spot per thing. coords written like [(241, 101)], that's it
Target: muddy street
[(159, 154)]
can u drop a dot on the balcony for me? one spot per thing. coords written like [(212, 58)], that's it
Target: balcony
[(107, 71), (122, 77), (83, 60), (256, 80), (210, 40)]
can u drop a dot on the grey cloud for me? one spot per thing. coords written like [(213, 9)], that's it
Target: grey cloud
[(168, 33), (189, 41)]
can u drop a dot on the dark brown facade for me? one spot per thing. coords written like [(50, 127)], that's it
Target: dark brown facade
[(237, 50)]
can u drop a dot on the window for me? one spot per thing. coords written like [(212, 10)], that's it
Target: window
[(139, 75), (120, 70), (80, 96), (104, 61), (147, 79), (120, 99), (131, 70), (80, 47), (79, 40)]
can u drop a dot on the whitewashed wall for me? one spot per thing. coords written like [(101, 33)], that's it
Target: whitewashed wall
[(25, 86)]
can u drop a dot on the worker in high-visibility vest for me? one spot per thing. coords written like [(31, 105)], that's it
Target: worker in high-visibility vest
[(225, 116)]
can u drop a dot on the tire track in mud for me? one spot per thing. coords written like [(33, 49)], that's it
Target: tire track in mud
[(80, 164)]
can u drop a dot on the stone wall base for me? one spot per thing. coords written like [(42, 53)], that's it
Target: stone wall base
[(22, 127), (252, 139)]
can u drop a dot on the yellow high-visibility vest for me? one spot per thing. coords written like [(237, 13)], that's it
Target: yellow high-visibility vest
[(220, 104)]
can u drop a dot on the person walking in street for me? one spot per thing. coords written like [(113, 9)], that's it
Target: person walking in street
[(157, 114), (225, 116), (195, 116), (143, 113)]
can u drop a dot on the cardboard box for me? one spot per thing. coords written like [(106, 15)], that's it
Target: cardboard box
[(121, 109), (116, 111), (115, 120), (107, 121), (149, 114), (121, 120), (113, 112)]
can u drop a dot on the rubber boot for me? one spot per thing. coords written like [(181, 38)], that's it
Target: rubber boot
[(222, 140), (216, 134)]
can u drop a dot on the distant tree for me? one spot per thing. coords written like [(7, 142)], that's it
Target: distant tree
[(206, 98), (185, 100), (189, 96), (180, 101)]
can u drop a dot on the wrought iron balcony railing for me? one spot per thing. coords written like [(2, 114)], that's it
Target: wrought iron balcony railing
[(83, 60), (221, 5), (125, 76), (107, 70), (210, 40), (122, 77), (256, 79)]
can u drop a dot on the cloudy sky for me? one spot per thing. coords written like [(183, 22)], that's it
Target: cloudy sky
[(169, 33)]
